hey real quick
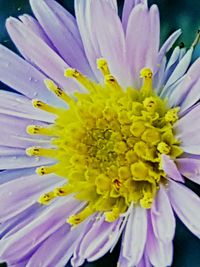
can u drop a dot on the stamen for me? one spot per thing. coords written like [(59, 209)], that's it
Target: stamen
[(43, 106), (78, 218), (58, 91), (102, 65), (147, 87), (112, 83), (36, 129), (41, 152), (43, 170), (73, 73), (63, 190)]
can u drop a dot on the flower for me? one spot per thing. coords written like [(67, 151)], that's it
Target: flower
[(106, 144)]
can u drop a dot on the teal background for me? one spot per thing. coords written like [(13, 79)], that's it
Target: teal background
[(175, 14)]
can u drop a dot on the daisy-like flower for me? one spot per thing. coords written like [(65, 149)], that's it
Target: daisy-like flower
[(98, 141)]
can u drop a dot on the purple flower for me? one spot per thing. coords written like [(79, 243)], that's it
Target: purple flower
[(106, 144)]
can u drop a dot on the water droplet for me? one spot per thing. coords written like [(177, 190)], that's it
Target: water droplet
[(35, 94), (30, 79)]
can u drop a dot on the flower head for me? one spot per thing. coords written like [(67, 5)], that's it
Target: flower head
[(100, 140)]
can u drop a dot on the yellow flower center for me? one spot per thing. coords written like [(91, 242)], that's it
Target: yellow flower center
[(107, 144)]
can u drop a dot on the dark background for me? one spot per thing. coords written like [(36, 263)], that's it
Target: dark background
[(174, 14)]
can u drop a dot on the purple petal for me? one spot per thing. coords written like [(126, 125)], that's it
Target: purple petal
[(159, 253), (170, 168), (134, 238), (17, 195), (110, 38), (162, 216), (189, 168), (20, 106), (144, 262), (13, 133), (186, 205), (9, 175), (35, 27), (143, 48), (128, 6), (99, 239), (39, 53), (25, 241), (61, 35), (59, 247), (21, 76), (167, 45)]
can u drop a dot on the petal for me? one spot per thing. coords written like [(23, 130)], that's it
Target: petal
[(167, 45), (13, 133), (26, 240), (99, 239), (23, 77), (186, 205), (144, 262), (20, 106), (61, 35), (128, 6), (9, 175), (142, 39), (110, 38), (39, 53), (159, 253), (35, 27), (162, 217), (134, 237), (171, 169), (175, 98), (17, 195), (59, 247), (189, 168)]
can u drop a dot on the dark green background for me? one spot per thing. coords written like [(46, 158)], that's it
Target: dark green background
[(174, 14)]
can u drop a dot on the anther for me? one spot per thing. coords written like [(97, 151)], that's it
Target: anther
[(103, 66), (58, 91), (46, 198), (112, 82), (73, 73)]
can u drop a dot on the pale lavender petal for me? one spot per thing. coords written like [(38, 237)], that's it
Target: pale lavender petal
[(154, 38), (175, 98), (39, 53), (110, 38), (128, 6), (143, 48), (18, 195), (189, 168), (61, 36), (59, 247), (170, 168), (159, 253), (35, 27), (13, 133), (162, 217), (167, 45), (9, 175), (134, 238), (158, 80), (19, 221), (99, 239), (26, 240), (21, 106), (144, 262), (186, 87), (186, 205), (23, 77)]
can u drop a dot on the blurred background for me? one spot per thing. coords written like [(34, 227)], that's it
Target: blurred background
[(174, 14)]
